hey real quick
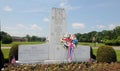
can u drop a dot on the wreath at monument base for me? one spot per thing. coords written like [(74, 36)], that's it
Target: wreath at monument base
[(69, 42)]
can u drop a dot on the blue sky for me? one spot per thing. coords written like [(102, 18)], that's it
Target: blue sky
[(22, 17)]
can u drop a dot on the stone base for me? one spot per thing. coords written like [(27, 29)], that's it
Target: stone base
[(37, 54)]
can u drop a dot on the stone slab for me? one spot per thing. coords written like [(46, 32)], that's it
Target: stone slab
[(33, 53), (39, 54), (81, 54)]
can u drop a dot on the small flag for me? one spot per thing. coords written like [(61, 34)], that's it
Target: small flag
[(13, 61)]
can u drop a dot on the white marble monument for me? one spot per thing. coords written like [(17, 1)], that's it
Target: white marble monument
[(57, 30), (53, 52)]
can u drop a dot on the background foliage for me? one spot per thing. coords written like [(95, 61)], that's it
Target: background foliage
[(109, 37), (5, 38)]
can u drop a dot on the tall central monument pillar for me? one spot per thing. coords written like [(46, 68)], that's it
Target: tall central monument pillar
[(57, 30)]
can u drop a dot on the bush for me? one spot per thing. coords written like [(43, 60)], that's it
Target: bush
[(108, 42), (1, 59), (106, 54), (113, 42), (91, 54), (13, 52)]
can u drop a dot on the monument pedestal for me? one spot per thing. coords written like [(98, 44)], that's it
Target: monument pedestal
[(40, 54)]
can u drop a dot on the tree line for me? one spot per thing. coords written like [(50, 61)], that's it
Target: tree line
[(5, 38), (110, 37), (35, 38)]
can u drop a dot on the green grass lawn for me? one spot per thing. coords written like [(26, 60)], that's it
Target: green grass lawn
[(91, 44), (118, 55), (6, 53), (9, 45), (80, 43)]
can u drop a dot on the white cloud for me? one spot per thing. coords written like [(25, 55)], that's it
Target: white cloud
[(105, 27), (64, 4), (46, 20), (21, 26), (100, 26), (22, 30), (78, 25), (7, 8), (35, 27), (8, 28), (111, 26)]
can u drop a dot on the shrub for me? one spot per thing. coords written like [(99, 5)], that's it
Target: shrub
[(115, 42), (1, 59), (13, 52), (106, 54), (91, 53)]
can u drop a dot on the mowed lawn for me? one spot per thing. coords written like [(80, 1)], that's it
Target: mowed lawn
[(91, 44), (6, 53), (25, 43)]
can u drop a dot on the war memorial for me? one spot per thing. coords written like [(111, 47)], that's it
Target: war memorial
[(53, 51)]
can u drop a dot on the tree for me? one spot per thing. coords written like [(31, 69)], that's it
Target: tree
[(92, 36), (34, 38), (116, 32), (78, 36), (5, 38), (28, 37)]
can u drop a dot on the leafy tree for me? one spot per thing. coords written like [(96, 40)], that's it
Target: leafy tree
[(0, 36), (116, 32), (118, 37), (78, 36), (5, 38), (28, 37), (34, 38), (105, 36)]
